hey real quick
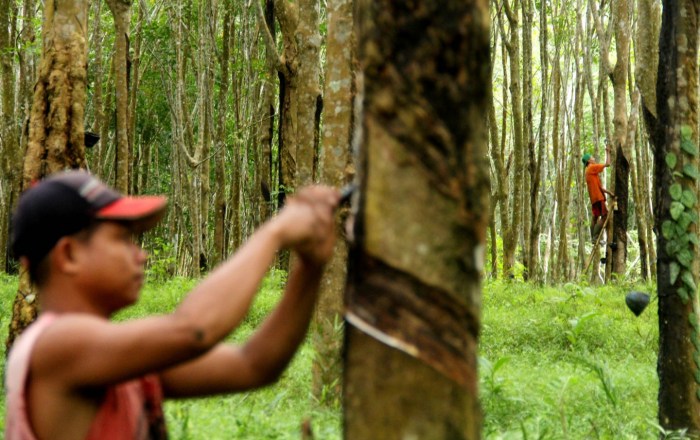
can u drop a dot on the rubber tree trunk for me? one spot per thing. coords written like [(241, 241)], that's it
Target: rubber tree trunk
[(675, 138), (413, 296), (336, 170), (10, 153), (56, 133), (121, 10)]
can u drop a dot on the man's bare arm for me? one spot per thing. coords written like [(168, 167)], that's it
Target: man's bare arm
[(263, 357), (82, 351), (607, 155)]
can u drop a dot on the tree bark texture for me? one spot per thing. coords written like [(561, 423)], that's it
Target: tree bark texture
[(676, 172), (121, 10), (413, 296), (308, 40), (510, 239), (336, 170), (56, 132), (220, 205), (622, 17), (10, 151)]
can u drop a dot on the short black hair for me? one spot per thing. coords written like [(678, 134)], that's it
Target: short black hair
[(40, 270)]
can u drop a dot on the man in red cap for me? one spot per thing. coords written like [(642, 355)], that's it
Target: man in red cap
[(596, 192), (73, 374)]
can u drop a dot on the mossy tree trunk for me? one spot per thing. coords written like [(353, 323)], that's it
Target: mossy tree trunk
[(675, 137), (419, 235), (56, 133)]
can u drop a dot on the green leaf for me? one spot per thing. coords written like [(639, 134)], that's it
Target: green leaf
[(674, 270), (673, 247), (687, 278), (684, 220), (693, 318), (689, 147), (677, 209), (686, 132), (685, 257), (693, 238), (671, 160), (683, 293), (688, 199), (676, 191), (691, 171), (668, 229), (694, 216)]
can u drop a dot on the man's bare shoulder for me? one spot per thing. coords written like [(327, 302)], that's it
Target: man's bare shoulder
[(69, 333)]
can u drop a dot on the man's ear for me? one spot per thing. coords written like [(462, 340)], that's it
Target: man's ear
[(24, 262), (63, 255)]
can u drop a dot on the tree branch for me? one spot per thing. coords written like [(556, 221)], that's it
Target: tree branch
[(602, 37), (274, 59)]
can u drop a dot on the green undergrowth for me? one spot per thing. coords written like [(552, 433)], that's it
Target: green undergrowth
[(568, 362)]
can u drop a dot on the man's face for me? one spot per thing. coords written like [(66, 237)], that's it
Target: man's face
[(111, 266)]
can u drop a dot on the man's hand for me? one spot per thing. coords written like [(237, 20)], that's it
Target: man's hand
[(306, 223)]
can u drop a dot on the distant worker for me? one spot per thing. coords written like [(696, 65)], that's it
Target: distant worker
[(596, 191)]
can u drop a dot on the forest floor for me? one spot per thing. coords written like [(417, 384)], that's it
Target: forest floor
[(567, 362)]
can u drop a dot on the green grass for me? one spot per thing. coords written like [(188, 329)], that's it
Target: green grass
[(567, 362), (570, 362)]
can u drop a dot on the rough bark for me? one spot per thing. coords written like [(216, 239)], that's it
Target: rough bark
[(56, 133), (414, 280)]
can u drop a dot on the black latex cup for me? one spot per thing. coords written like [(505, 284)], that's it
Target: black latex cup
[(637, 302)]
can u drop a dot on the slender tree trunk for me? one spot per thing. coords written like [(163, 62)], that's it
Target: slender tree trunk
[(220, 143), (529, 156), (536, 157), (137, 150), (308, 40), (10, 153), (675, 137), (207, 35), (336, 162), (121, 10), (424, 144), (56, 133), (97, 67), (267, 125), (513, 46), (622, 17)]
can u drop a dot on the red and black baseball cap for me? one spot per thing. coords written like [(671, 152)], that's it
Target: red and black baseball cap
[(66, 203)]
